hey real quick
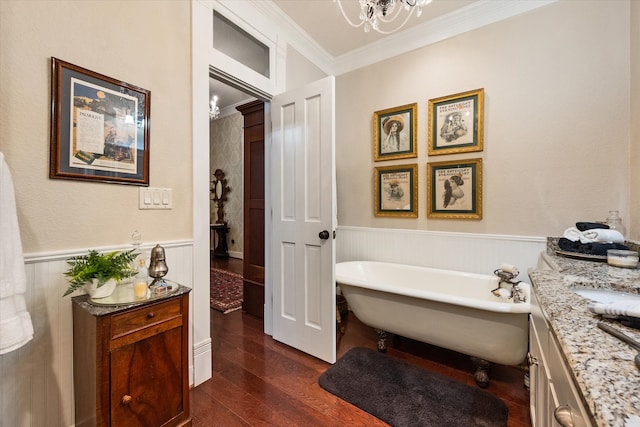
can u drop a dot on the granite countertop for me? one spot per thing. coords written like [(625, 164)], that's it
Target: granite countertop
[(102, 310), (603, 366)]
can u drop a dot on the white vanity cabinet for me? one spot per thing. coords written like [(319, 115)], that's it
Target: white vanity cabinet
[(554, 399)]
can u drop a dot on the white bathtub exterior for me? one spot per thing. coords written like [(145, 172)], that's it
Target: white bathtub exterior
[(448, 309)]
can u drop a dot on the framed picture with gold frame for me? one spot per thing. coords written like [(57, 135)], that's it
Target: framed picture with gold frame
[(396, 191), (395, 133), (454, 189), (456, 123)]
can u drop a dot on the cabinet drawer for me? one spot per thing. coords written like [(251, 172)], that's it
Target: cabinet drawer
[(566, 391), (140, 318)]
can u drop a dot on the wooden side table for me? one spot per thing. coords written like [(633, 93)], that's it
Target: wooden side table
[(131, 362), (221, 249)]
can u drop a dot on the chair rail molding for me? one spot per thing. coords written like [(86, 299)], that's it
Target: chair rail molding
[(473, 253)]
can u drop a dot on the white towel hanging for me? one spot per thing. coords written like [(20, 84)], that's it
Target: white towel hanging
[(16, 328)]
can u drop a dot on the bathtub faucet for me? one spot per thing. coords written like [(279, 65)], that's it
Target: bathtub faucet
[(507, 273)]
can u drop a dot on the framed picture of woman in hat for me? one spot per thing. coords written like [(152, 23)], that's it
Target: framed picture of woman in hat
[(456, 123), (394, 133), (454, 189)]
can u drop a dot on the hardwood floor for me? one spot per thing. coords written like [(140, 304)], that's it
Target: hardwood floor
[(258, 381)]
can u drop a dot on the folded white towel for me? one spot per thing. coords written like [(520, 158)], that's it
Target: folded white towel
[(596, 235), (601, 235), (617, 308), (572, 234)]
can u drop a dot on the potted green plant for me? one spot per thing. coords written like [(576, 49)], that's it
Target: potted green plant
[(99, 273)]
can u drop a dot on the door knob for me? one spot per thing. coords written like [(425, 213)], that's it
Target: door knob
[(324, 235)]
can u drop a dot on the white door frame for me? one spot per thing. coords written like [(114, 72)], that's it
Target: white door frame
[(203, 56)]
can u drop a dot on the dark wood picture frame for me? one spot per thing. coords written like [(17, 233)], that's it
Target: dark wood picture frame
[(99, 127)]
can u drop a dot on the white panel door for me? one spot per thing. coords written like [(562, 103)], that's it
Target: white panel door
[(304, 219)]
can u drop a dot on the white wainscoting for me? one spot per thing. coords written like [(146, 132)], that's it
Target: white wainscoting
[(474, 253), (36, 386)]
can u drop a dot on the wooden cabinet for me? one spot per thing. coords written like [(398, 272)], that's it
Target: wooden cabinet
[(131, 363), (254, 219), (554, 399)]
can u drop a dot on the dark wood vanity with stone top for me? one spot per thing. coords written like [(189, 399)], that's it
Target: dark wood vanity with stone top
[(131, 361)]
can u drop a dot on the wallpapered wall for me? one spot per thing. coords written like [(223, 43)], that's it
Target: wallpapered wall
[(225, 152)]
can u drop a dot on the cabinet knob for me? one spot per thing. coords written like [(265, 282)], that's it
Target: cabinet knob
[(126, 399), (151, 315), (564, 416), (531, 359)]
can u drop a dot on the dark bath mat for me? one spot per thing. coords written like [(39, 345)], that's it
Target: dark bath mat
[(405, 395)]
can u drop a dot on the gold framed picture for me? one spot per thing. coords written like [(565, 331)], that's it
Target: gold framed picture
[(396, 191), (395, 133), (456, 123), (454, 189)]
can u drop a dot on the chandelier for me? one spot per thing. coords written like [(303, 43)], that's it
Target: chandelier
[(214, 110), (375, 14)]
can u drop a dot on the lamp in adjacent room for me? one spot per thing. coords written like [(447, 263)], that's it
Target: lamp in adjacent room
[(214, 110), (375, 14)]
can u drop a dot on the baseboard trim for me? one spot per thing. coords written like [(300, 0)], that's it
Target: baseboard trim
[(202, 355)]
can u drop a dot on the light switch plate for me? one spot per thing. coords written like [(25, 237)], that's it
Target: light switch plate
[(155, 198)]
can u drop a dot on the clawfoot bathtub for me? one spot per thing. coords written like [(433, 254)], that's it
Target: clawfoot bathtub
[(449, 309)]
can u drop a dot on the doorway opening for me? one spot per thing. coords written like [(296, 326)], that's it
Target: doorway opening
[(230, 153)]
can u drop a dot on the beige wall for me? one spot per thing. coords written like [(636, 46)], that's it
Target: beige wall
[(556, 84), (635, 121), (556, 118), (299, 70), (142, 43)]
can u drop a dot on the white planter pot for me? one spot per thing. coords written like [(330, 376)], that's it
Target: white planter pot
[(100, 292)]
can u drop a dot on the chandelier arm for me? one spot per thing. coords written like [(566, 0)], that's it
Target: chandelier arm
[(395, 29), (396, 14), (346, 17), (371, 13), (413, 3)]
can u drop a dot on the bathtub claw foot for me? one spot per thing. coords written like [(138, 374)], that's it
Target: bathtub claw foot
[(481, 375), (382, 340)]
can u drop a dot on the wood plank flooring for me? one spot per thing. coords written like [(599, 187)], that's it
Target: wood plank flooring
[(258, 381)]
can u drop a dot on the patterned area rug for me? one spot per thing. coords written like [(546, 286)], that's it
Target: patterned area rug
[(226, 290), (405, 395)]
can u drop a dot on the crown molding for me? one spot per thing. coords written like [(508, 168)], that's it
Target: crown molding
[(476, 15), (295, 36), (231, 109)]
